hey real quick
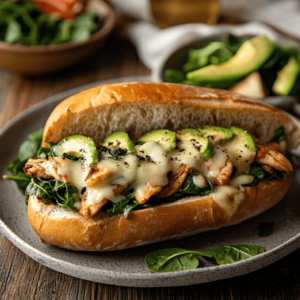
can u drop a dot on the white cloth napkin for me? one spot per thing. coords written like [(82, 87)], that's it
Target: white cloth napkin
[(155, 45)]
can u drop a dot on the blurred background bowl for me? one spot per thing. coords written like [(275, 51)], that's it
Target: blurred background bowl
[(179, 57), (37, 60)]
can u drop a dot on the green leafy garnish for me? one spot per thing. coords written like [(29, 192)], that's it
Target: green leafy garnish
[(265, 228), (232, 254), (173, 259), (279, 135), (52, 191), (28, 149), (21, 21)]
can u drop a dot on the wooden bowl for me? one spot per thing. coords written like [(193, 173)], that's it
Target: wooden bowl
[(37, 60)]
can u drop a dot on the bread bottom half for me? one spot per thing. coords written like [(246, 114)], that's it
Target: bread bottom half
[(188, 216)]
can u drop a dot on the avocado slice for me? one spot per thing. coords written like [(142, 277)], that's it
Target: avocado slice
[(79, 146), (251, 55), (287, 82), (119, 139), (161, 136), (216, 134), (196, 141), (244, 138)]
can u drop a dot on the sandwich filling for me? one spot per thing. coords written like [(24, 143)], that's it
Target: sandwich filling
[(162, 166)]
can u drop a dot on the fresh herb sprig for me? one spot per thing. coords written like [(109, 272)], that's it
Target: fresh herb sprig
[(178, 259)]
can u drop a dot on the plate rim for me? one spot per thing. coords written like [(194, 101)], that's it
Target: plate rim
[(126, 277)]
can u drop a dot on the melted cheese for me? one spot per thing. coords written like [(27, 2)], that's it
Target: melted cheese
[(229, 198), (151, 166)]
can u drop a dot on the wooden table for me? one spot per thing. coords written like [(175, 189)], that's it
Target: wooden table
[(23, 278)]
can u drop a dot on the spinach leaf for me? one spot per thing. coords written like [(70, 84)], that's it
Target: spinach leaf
[(257, 172), (28, 149), (13, 31), (232, 254), (43, 152), (173, 259), (21, 179), (290, 156), (52, 191), (73, 157), (173, 76), (265, 228), (279, 135)]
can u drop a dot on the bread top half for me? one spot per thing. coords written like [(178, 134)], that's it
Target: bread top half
[(138, 107)]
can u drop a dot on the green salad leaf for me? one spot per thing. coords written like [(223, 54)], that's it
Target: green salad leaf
[(28, 149), (232, 254), (22, 22), (173, 259), (265, 228), (279, 135)]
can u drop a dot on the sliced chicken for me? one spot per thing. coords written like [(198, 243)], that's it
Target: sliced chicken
[(175, 182), (143, 196), (274, 159), (96, 174), (223, 177), (39, 168)]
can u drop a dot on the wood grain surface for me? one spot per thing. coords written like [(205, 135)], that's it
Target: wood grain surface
[(23, 278)]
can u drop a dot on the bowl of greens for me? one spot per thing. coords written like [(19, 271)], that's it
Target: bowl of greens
[(250, 65), (33, 42)]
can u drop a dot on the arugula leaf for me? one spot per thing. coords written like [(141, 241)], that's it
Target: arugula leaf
[(265, 228), (52, 191), (43, 152), (257, 172), (279, 135), (172, 76), (173, 259), (232, 254)]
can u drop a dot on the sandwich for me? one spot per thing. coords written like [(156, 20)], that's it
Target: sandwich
[(129, 164)]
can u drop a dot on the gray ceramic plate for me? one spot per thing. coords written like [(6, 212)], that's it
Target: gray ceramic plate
[(127, 267)]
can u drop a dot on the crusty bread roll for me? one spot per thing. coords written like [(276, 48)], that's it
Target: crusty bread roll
[(140, 107), (136, 107), (191, 215)]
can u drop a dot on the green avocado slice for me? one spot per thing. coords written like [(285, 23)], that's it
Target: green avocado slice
[(161, 136), (216, 134), (287, 82), (196, 141), (79, 146), (251, 55), (244, 138), (119, 139)]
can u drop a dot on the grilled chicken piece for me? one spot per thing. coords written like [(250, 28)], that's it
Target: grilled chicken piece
[(274, 159), (96, 174), (92, 210), (279, 147), (175, 182), (40, 168), (143, 196), (268, 169), (223, 177)]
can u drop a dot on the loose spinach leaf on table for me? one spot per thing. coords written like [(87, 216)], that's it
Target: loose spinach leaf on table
[(232, 254), (265, 228), (173, 259)]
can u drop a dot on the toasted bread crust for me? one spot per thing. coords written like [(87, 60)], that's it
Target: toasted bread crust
[(226, 109), (67, 229)]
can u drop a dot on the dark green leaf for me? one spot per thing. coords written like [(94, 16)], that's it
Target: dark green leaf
[(173, 259), (232, 254), (257, 172), (16, 166), (265, 228), (73, 157), (36, 135), (290, 156), (130, 207), (43, 152), (28, 149), (174, 76), (21, 179), (279, 135)]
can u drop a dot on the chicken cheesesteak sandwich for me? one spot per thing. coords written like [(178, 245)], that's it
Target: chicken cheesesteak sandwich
[(128, 164)]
